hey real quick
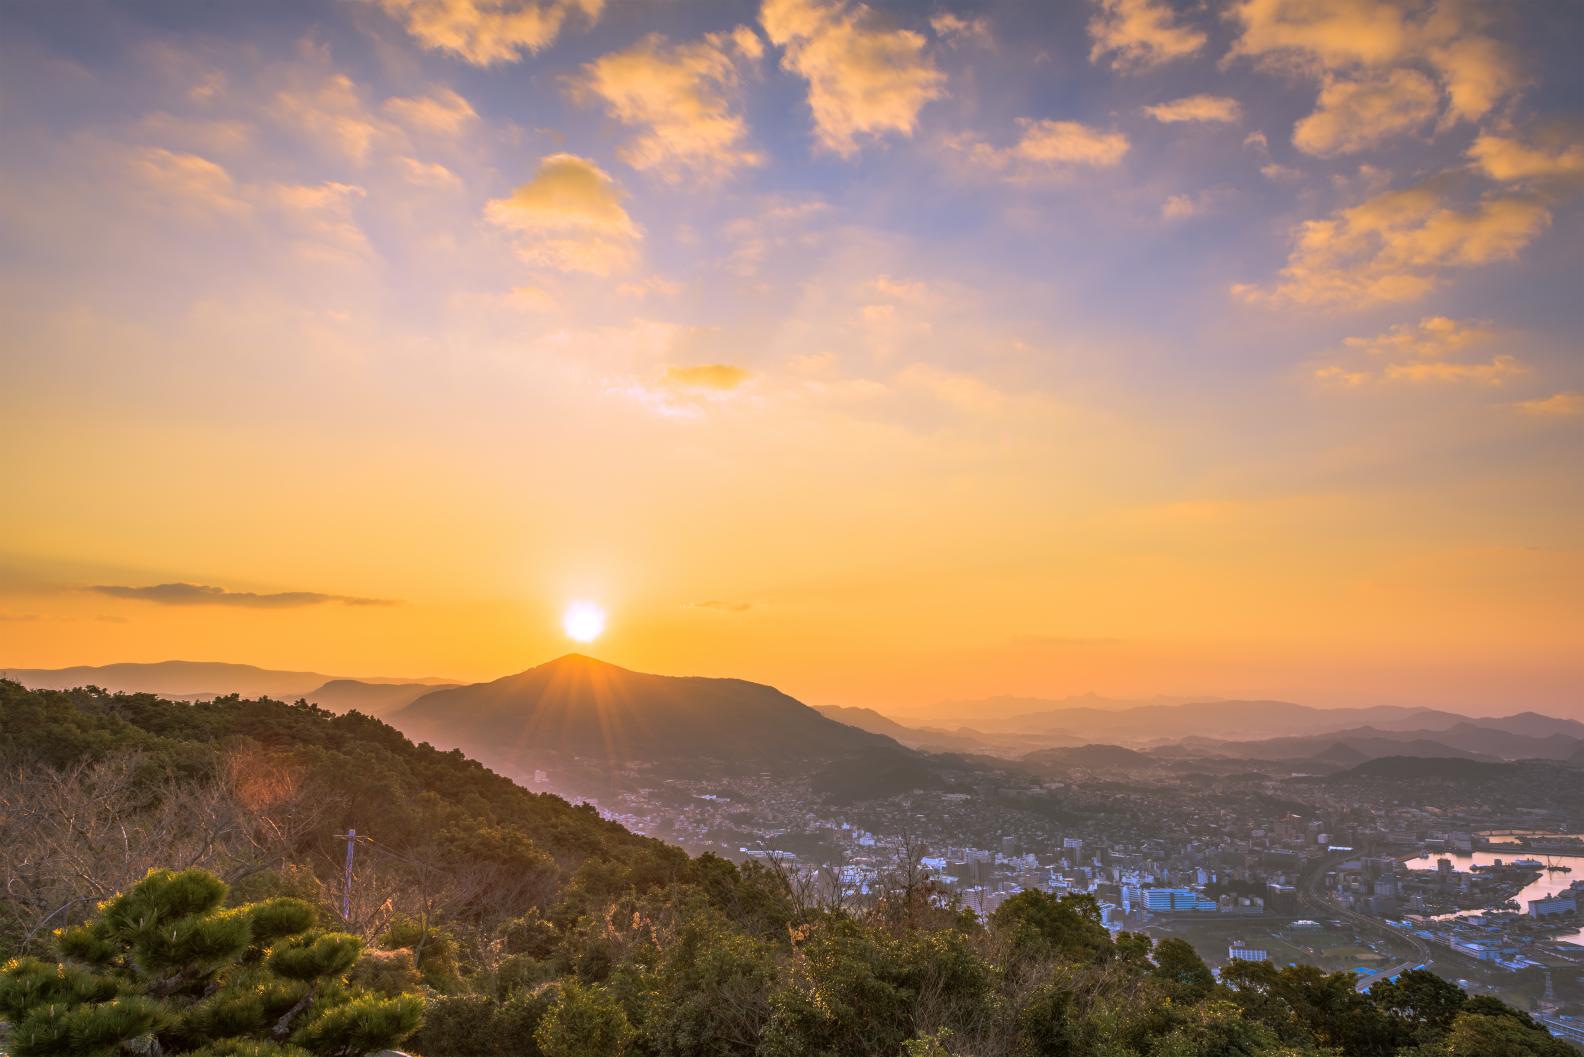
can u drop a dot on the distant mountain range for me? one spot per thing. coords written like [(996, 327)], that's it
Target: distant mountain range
[(204, 679), (935, 739), (371, 698), (579, 707), (1471, 739), (1203, 723)]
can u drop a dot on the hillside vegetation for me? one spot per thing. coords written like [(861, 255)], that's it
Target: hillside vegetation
[(487, 920)]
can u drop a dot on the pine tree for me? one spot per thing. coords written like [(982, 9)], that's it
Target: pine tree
[(167, 968)]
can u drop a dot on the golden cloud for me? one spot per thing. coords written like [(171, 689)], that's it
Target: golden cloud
[(1557, 405), (722, 377), (1499, 371), (486, 32), (442, 111), (1363, 52), (1217, 108), (569, 217), (192, 181), (1433, 337), (954, 29), (1179, 207), (1140, 34), (330, 112), (316, 220), (1354, 114), (1397, 246), (1423, 352), (429, 174), (864, 79), (1511, 160), (1048, 148), (682, 99)]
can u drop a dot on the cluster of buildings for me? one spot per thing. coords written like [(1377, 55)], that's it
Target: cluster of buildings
[(1243, 859)]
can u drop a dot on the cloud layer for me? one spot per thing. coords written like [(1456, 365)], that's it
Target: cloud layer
[(184, 594)]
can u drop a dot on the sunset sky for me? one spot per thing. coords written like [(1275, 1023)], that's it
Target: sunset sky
[(887, 353)]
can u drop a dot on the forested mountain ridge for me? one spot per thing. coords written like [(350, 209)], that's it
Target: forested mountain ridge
[(527, 926)]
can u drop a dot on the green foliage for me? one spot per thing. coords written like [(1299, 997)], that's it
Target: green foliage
[(1177, 963), (931, 1045), (584, 1022), (312, 955), (166, 968), (434, 950), (477, 1025), (1039, 924), (1487, 1035), (359, 1024)]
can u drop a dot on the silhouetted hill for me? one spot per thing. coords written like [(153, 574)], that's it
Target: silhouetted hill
[(186, 679), (371, 699), (609, 716)]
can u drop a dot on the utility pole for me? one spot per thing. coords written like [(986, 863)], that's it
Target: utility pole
[(346, 881)]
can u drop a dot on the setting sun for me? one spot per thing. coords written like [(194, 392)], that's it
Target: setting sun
[(583, 621)]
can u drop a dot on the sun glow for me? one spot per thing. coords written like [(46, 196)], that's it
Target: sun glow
[(583, 621)]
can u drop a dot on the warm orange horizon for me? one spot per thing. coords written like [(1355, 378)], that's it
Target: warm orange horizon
[(885, 355)]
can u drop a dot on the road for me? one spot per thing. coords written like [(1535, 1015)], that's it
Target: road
[(1312, 895)]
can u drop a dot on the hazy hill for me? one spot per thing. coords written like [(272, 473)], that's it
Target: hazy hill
[(370, 698), (1156, 724), (1427, 768), (1466, 740), (1092, 757), (186, 679), (993, 711), (603, 714), (927, 739), (1339, 754), (872, 721), (1533, 725)]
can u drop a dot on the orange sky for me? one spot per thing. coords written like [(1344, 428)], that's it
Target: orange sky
[(883, 357)]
